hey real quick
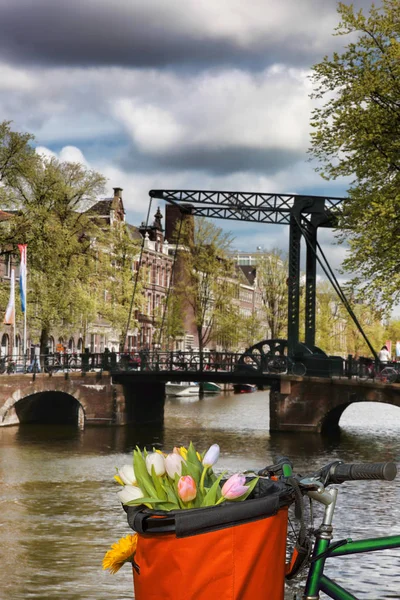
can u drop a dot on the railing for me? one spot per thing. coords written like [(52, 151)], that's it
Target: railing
[(363, 369)]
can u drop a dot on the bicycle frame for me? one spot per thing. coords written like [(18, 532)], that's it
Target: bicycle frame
[(316, 580)]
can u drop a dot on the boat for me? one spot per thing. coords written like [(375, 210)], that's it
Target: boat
[(182, 388), (211, 388), (244, 388)]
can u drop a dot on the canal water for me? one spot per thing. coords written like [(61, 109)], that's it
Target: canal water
[(59, 512)]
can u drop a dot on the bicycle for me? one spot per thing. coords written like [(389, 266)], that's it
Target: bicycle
[(283, 365), (385, 374), (55, 363), (7, 365), (315, 546)]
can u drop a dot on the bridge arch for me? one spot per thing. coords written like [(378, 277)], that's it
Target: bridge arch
[(48, 407), (330, 423)]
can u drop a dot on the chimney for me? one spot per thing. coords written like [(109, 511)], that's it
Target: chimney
[(117, 192)]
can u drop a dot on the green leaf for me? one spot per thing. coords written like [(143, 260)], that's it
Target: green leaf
[(212, 494), (160, 492), (143, 478), (139, 501), (171, 495)]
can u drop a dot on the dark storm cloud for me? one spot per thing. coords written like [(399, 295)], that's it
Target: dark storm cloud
[(217, 161), (92, 32)]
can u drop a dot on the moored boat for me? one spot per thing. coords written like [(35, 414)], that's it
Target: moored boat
[(182, 388), (211, 388), (244, 388)]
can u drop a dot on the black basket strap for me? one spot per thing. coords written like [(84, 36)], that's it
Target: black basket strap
[(270, 497), (227, 515)]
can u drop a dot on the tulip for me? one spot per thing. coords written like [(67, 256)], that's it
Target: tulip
[(128, 493), (211, 456), (182, 451), (127, 475), (173, 464), (187, 488), (156, 460), (234, 487)]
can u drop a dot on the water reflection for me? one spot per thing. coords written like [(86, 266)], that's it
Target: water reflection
[(59, 511)]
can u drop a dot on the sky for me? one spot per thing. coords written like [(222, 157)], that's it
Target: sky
[(184, 94)]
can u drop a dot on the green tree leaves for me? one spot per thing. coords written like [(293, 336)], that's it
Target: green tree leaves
[(356, 134)]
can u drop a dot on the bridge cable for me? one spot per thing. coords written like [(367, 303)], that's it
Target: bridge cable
[(136, 277), (170, 280), (336, 286)]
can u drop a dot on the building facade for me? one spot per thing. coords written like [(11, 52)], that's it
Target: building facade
[(155, 262)]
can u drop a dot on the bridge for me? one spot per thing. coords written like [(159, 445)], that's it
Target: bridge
[(308, 389), (111, 389)]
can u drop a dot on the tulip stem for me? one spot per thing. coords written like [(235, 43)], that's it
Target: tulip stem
[(203, 476), (220, 500)]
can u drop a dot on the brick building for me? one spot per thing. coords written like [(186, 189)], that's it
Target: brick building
[(157, 265)]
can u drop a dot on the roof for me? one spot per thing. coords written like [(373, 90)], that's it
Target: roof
[(249, 272), (102, 207), (5, 216), (133, 231)]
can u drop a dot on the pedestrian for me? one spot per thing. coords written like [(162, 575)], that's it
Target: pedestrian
[(384, 355)]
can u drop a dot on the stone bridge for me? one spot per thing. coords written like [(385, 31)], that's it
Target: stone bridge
[(312, 404), (316, 404), (82, 399)]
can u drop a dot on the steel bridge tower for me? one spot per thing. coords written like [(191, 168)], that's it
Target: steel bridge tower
[(303, 213)]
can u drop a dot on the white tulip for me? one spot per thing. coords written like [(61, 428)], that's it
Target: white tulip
[(173, 464), (156, 460), (211, 456), (127, 475), (128, 493)]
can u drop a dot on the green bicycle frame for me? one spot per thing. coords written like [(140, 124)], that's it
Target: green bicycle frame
[(318, 582)]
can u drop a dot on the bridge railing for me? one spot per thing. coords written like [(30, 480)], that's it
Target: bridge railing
[(363, 368), (174, 361)]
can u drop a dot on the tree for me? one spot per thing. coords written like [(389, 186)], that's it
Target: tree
[(174, 327), (49, 199), (205, 277), (331, 320), (357, 134), (272, 273), (371, 324), (17, 159), (251, 327)]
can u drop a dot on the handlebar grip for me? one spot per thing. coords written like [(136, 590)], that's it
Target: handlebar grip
[(350, 472), (286, 465), (282, 466)]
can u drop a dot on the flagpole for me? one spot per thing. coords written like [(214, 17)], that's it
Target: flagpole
[(13, 328), (25, 296), (23, 287), (25, 332)]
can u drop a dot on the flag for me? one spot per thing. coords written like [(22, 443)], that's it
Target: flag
[(398, 349), (22, 276), (9, 319)]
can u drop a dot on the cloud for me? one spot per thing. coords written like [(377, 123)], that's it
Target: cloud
[(155, 33), (220, 121)]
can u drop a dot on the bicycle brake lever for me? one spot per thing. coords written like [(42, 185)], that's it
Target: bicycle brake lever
[(311, 484)]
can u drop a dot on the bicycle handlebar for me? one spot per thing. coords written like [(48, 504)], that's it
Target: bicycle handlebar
[(340, 472), (336, 472)]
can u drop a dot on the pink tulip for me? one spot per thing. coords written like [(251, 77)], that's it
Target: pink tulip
[(234, 487), (187, 488)]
